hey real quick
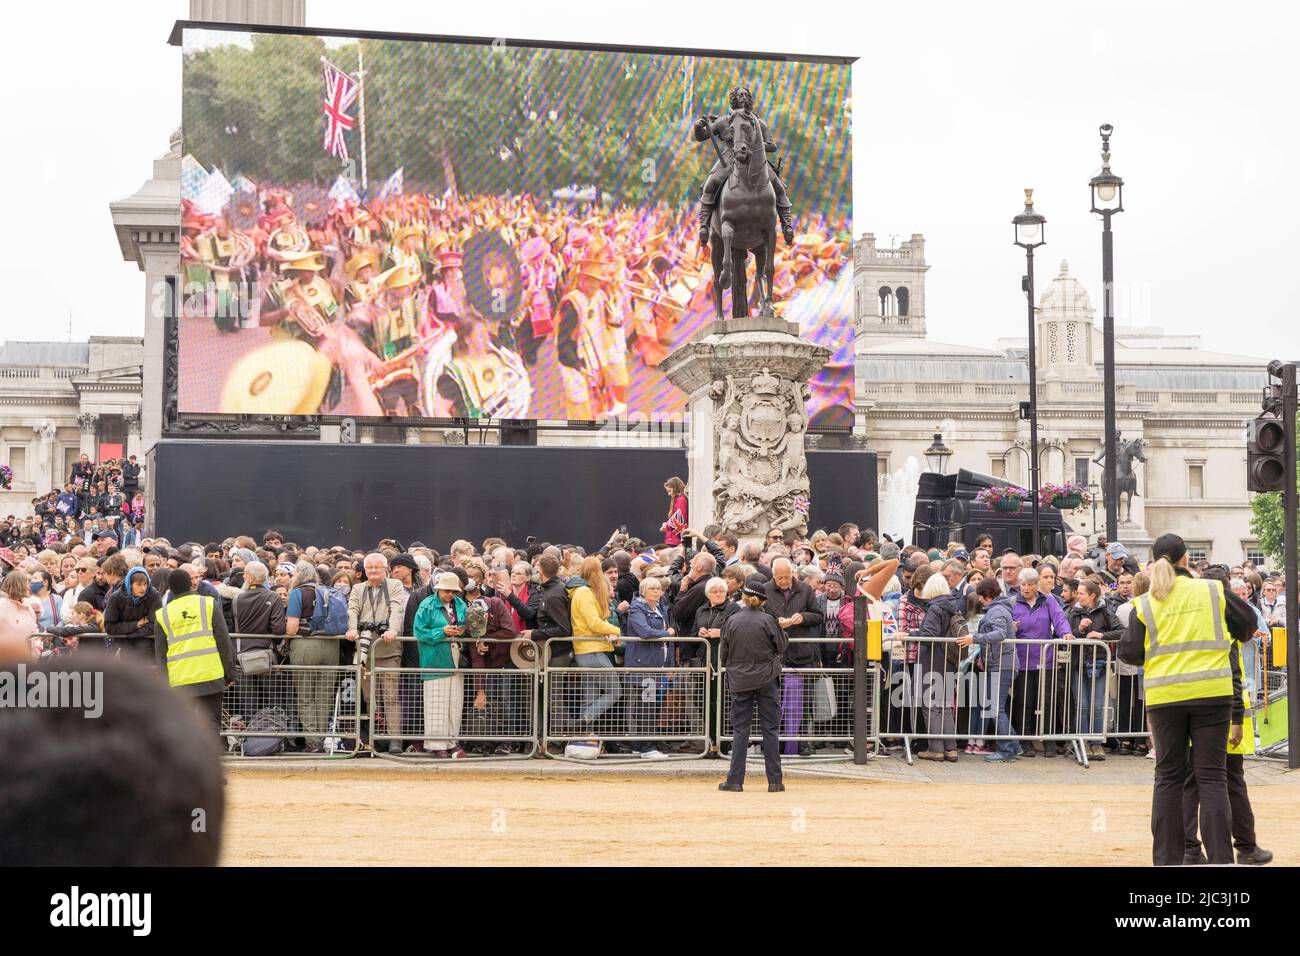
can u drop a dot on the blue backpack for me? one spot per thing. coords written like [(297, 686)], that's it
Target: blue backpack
[(330, 613)]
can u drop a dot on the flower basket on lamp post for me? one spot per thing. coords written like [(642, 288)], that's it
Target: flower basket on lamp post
[(1007, 498), (1066, 497)]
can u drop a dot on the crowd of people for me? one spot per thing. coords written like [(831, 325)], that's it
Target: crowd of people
[(439, 306), (316, 604), (99, 501)]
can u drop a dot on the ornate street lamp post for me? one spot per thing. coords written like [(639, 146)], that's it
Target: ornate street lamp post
[(1108, 199), (1030, 230)]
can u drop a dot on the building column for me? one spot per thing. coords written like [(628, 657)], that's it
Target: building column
[(43, 469), (89, 424), (134, 426)]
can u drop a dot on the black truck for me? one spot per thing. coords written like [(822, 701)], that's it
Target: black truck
[(946, 510)]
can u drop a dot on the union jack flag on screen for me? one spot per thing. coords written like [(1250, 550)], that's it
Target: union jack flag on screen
[(341, 91)]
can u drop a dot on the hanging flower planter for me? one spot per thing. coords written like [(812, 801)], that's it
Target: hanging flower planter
[(1066, 497), (1002, 497)]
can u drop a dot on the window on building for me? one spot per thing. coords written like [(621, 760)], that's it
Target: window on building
[(998, 467), (71, 454), (886, 300), (1255, 554), (1197, 552), (1081, 471), (18, 462), (903, 297), (1195, 481)]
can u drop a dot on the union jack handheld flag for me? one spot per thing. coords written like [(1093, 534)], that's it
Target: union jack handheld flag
[(341, 91), (801, 505)]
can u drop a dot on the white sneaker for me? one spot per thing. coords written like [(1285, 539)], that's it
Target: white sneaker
[(1151, 755), (652, 754)]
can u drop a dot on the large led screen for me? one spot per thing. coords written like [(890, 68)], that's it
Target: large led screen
[(395, 227)]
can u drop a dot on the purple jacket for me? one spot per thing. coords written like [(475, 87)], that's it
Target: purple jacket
[(1046, 620)]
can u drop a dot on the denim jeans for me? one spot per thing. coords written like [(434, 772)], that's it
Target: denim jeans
[(999, 682), (1090, 697), (600, 690)]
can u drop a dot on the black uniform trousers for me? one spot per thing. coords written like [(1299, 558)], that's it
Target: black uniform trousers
[(768, 702), (1205, 726), (208, 709), (1243, 817)]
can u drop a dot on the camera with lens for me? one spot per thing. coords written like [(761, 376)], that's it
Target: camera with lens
[(363, 644)]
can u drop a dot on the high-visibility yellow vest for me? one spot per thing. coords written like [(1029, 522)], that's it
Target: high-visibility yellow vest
[(1187, 643), (192, 655), (1247, 745)]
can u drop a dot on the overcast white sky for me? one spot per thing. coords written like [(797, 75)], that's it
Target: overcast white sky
[(957, 107)]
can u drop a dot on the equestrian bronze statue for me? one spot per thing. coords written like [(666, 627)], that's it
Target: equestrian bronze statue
[(742, 201)]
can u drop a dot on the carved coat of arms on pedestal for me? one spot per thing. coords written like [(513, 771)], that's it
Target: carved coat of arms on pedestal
[(761, 481)]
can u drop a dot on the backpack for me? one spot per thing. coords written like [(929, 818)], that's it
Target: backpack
[(268, 719), (957, 627), (330, 614), (476, 619)]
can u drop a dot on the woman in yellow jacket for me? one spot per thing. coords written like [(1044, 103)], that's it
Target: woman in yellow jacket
[(589, 613)]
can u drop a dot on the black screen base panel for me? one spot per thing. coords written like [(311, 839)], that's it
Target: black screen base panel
[(354, 495)]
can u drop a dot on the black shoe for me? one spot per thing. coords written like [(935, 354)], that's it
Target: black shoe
[(1255, 857), (776, 788), (1196, 858), (805, 750), (732, 787)]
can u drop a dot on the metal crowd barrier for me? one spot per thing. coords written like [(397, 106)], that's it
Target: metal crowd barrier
[(414, 708), (311, 709), (816, 704), (1053, 692), (1269, 701), (132, 645), (628, 706)]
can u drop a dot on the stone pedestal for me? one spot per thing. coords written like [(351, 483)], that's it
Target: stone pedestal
[(746, 385), (1138, 541)]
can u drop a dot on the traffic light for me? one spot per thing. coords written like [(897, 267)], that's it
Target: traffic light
[(1266, 454)]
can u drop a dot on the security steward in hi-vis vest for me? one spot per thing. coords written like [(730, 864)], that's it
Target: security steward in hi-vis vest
[(1241, 741), (1182, 631), (192, 645)]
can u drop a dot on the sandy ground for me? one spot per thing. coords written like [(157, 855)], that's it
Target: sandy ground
[(358, 817)]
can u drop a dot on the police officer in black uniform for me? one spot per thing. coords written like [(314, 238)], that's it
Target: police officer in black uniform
[(752, 648)]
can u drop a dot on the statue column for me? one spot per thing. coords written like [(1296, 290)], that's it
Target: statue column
[(746, 382), (89, 424)]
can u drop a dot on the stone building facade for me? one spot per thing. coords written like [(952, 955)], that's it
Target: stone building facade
[(1188, 405), (60, 399)]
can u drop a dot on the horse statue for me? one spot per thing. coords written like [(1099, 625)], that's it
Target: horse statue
[(744, 218), (1125, 478)]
